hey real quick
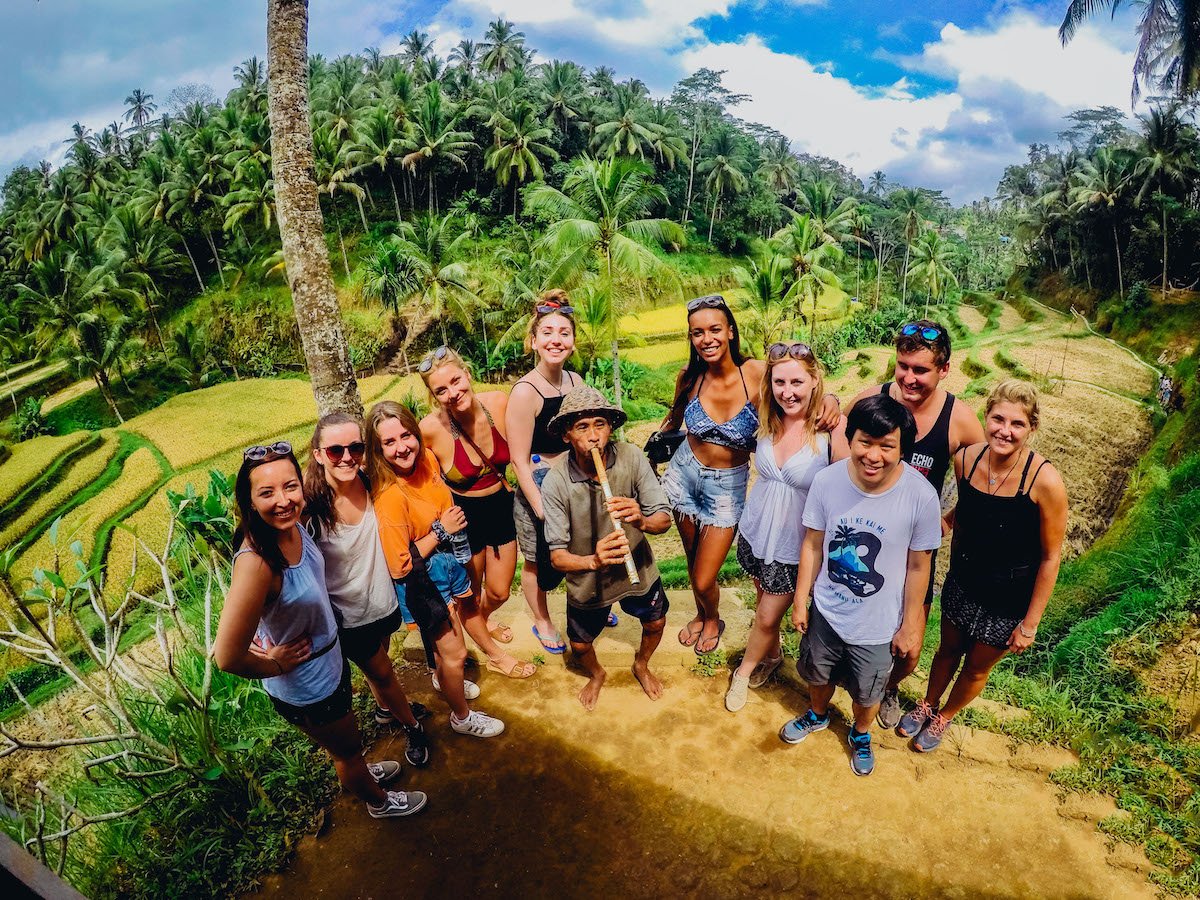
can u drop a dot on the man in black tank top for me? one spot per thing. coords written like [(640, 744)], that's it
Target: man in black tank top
[(944, 423)]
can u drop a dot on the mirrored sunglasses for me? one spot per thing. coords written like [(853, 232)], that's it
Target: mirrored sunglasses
[(797, 350), (257, 452), (434, 356), (929, 333), (711, 301), (544, 309)]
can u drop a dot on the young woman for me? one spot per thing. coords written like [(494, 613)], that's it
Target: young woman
[(278, 625), (342, 520), (1008, 532), (789, 454), (472, 456), (534, 401), (417, 516)]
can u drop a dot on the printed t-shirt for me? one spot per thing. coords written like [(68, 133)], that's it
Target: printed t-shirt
[(860, 585), (576, 517), (406, 509)]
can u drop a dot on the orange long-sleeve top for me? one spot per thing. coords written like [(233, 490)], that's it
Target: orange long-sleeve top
[(406, 509)]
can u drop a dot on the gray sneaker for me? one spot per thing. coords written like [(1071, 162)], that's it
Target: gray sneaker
[(802, 726), (764, 670), (889, 709), (931, 735), (862, 757), (384, 770), (914, 720), (399, 803)]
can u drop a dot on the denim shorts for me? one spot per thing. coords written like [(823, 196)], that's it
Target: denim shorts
[(706, 495), (448, 575)]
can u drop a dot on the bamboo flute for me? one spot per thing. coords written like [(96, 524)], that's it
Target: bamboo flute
[(602, 477)]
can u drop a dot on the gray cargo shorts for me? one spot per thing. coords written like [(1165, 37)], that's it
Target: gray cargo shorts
[(862, 669)]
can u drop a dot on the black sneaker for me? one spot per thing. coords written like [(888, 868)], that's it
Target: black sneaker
[(417, 751), (384, 716)]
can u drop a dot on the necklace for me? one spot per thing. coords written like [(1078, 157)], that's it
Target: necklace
[(559, 388), (992, 478)]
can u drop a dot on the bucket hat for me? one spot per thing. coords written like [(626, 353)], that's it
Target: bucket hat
[(585, 400)]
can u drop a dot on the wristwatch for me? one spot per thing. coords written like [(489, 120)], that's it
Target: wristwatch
[(440, 530)]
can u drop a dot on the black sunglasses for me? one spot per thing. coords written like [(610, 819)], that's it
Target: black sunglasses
[(255, 453), (427, 361), (928, 332), (545, 309), (711, 301), (337, 451), (797, 350)]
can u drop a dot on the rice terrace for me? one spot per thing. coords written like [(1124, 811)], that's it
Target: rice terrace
[(484, 450)]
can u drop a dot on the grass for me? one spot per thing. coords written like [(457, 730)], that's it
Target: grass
[(30, 460)]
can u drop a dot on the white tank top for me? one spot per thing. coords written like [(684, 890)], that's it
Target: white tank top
[(771, 521), (356, 573)]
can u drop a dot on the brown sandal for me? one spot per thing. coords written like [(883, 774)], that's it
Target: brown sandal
[(501, 634), (519, 669)]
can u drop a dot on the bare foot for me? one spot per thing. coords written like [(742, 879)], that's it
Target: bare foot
[(690, 633), (648, 680), (591, 691)]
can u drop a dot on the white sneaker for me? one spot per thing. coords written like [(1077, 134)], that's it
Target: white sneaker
[(470, 688), (477, 724), (384, 770), (735, 697), (399, 803)]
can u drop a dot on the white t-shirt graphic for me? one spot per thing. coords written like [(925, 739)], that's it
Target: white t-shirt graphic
[(860, 584)]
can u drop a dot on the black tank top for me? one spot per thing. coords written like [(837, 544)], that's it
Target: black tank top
[(997, 545), (931, 454), (543, 441)]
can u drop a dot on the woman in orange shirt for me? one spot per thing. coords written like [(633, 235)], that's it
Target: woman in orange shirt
[(416, 516)]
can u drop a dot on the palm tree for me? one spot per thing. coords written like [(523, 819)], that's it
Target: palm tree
[(563, 94), (624, 129), (764, 284), (435, 136), (668, 144), (142, 256), (466, 54), (1168, 53), (340, 98), (833, 218), (333, 177), (931, 269), (98, 345), (252, 197), (811, 260), (503, 48), (301, 227), (415, 47), (779, 169), (516, 156), (140, 108), (1167, 153), (380, 145), (251, 92), (600, 219), (912, 206), (722, 172), (1103, 182), (877, 184)]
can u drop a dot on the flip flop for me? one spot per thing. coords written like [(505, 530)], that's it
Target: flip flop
[(692, 636), (720, 631), (501, 634), (555, 646), (612, 621)]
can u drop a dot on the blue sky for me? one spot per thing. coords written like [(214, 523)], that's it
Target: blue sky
[(939, 94)]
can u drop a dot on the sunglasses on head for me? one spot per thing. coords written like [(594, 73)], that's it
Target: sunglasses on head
[(336, 451), (797, 350), (711, 301), (435, 355), (279, 448), (928, 332), (553, 306)]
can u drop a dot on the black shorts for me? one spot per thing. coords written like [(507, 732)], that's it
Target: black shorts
[(585, 625), (362, 642), (489, 519), (323, 712), (932, 575)]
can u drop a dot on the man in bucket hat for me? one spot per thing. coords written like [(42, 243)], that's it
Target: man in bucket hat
[(585, 545)]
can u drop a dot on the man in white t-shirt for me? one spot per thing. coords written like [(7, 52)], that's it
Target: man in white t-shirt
[(873, 522)]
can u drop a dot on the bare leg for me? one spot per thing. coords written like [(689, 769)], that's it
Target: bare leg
[(476, 626), (906, 665), (864, 716), (981, 658), (381, 678), (341, 741), (585, 654), (711, 549), (535, 599), (651, 635), (951, 649), (451, 657), (819, 696), (764, 633), (689, 533)]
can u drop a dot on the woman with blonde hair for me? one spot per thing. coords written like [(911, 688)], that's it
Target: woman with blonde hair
[(534, 401), (1008, 525), (790, 451), (465, 434), (417, 517)]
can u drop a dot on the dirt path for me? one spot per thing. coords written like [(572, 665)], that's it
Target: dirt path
[(643, 799)]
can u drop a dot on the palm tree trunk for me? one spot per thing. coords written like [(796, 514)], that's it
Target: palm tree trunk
[(300, 224), (192, 260), (1120, 275), (341, 241), (514, 203), (904, 286), (101, 378), (687, 209), (362, 213), (395, 199), (157, 330), (1164, 231), (216, 258)]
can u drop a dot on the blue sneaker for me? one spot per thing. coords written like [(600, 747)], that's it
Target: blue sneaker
[(930, 737), (802, 726), (862, 757)]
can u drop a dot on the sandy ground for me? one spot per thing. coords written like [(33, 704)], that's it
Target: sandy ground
[(652, 799)]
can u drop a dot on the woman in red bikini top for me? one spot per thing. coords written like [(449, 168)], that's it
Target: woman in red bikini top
[(465, 433)]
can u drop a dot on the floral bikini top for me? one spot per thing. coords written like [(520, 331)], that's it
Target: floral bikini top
[(737, 434)]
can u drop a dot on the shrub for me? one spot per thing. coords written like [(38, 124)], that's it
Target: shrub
[(1137, 297), (29, 421)]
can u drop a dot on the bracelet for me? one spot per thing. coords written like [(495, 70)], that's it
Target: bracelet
[(1024, 633), (440, 530), (278, 664)]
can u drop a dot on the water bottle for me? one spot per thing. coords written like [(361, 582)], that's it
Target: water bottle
[(460, 545)]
